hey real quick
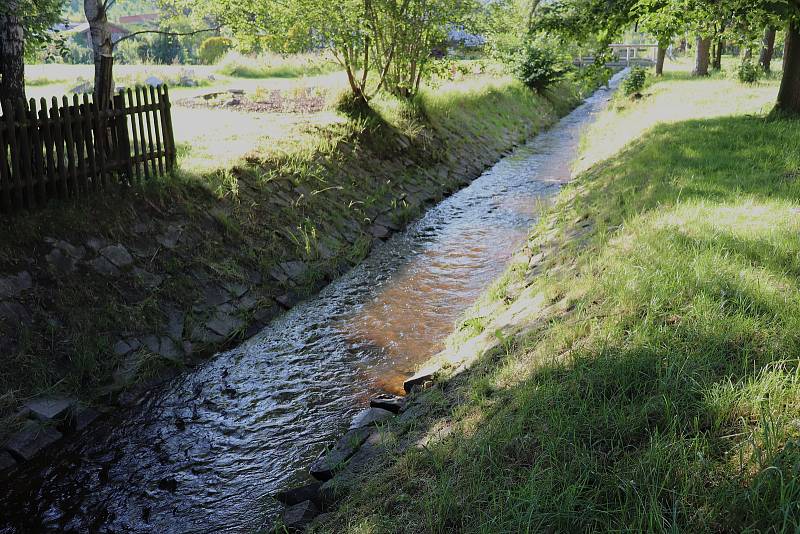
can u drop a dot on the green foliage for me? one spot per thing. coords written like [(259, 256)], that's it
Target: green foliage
[(635, 81), (379, 43), (127, 53), (749, 72), (213, 49), (539, 65), (36, 17)]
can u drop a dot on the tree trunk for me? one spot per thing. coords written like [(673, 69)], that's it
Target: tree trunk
[(748, 53), (100, 37), (12, 54), (767, 49), (717, 65), (702, 48), (789, 93), (662, 54)]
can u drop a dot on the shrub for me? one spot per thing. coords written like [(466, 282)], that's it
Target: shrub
[(749, 72), (635, 81), (539, 65), (212, 49)]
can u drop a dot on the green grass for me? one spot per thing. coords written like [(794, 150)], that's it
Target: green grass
[(276, 66), (660, 390)]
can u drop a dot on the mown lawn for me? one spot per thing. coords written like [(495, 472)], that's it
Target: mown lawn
[(663, 393)]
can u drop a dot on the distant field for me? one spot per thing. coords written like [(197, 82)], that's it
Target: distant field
[(215, 138)]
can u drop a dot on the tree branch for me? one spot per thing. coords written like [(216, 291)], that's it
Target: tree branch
[(161, 32)]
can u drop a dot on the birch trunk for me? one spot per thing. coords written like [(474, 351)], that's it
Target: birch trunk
[(12, 54), (100, 37)]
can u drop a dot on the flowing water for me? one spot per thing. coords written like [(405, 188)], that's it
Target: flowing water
[(205, 452)]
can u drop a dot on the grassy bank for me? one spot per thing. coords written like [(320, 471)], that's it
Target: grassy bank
[(209, 258), (643, 369)]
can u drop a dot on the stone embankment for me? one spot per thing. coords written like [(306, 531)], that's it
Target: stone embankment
[(100, 303)]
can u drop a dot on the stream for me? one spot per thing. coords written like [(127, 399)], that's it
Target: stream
[(204, 452)]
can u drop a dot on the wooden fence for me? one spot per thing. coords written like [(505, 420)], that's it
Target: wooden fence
[(72, 148)]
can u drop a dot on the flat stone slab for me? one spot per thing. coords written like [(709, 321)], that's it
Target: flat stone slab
[(84, 416), (13, 286), (224, 324), (169, 239), (14, 312), (378, 231), (324, 468), (371, 417), (118, 255), (294, 269), (296, 518), (34, 437), (6, 461), (293, 496), (421, 376), (163, 346), (147, 279), (391, 403), (358, 466), (103, 266), (61, 262), (50, 409)]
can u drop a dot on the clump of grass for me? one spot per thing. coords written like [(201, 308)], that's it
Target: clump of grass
[(276, 66), (666, 395)]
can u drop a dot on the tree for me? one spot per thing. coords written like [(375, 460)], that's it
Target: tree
[(12, 53), (379, 43), (24, 25), (767, 49), (664, 19), (102, 48), (702, 50)]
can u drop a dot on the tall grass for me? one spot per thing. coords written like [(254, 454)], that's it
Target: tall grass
[(276, 66)]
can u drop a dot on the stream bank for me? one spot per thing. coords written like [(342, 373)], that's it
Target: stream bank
[(101, 301), (206, 451)]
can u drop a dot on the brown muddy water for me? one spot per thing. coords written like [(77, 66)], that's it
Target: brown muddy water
[(204, 452)]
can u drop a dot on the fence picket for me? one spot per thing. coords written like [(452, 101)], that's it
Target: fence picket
[(60, 143), (136, 148), (80, 143), (87, 122), (72, 158), (172, 155), (69, 147), (26, 155), (157, 128), (50, 176), (142, 137), (37, 149), (150, 146)]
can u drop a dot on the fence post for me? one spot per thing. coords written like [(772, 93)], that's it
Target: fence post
[(169, 136), (123, 141), (25, 154), (50, 160)]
